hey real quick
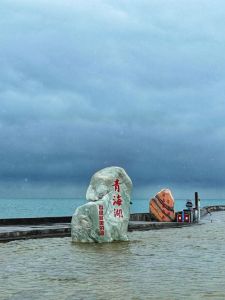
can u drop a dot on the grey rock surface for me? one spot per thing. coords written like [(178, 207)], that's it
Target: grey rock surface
[(105, 217)]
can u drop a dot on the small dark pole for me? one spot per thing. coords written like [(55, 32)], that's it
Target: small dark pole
[(196, 200), (197, 207)]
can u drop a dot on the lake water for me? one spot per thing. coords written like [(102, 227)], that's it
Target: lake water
[(21, 208), (176, 263)]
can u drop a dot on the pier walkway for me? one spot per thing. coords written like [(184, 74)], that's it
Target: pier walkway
[(29, 228)]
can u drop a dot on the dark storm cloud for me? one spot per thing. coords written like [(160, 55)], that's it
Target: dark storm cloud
[(100, 83)]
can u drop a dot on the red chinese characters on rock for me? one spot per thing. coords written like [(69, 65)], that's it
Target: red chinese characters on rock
[(117, 185), (117, 200), (118, 212), (101, 220)]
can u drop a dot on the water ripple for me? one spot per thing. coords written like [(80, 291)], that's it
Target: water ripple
[(187, 263)]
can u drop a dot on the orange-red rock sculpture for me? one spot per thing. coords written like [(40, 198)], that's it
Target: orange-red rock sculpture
[(161, 207)]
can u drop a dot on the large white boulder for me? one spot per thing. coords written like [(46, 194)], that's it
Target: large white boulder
[(105, 217)]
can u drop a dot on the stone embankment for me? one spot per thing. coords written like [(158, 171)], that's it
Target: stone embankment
[(46, 227)]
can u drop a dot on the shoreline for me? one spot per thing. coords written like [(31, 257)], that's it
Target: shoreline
[(49, 227)]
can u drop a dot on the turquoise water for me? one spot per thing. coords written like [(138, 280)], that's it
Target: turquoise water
[(168, 264), (21, 208)]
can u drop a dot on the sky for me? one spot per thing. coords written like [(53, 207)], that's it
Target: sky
[(90, 84)]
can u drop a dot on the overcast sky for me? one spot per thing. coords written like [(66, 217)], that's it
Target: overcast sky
[(89, 84)]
